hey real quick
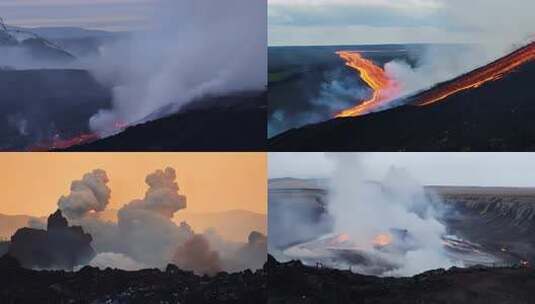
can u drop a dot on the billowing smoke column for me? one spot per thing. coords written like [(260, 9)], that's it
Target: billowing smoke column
[(90, 194), (145, 234), (394, 220), (197, 255), (193, 48), (146, 226)]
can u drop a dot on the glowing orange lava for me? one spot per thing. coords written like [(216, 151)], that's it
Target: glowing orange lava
[(382, 240), (343, 238), (58, 143), (384, 88), (491, 72)]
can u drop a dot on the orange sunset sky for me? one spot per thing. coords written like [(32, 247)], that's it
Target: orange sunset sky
[(33, 182)]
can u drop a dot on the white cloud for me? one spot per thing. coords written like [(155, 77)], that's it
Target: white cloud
[(485, 169)]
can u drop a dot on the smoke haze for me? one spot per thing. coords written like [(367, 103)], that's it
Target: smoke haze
[(145, 234), (489, 36), (363, 211), (193, 49)]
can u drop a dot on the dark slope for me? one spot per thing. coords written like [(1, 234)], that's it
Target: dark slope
[(294, 283), (91, 285), (35, 105), (497, 116), (232, 123)]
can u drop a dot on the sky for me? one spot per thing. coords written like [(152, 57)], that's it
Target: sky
[(456, 169), (111, 15), (32, 183), (339, 22)]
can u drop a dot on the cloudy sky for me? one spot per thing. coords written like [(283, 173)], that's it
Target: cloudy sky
[(113, 15), (474, 169), (33, 182), (332, 22)]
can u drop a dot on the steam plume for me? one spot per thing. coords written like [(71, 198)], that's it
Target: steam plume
[(364, 210), (194, 48)]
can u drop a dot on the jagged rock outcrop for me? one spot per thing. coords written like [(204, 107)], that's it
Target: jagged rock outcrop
[(59, 247), (91, 285), (295, 283)]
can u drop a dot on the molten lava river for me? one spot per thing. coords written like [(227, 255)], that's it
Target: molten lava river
[(386, 89), (491, 72)]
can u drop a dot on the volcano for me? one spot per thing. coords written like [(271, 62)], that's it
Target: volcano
[(234, 122), (488, 109)]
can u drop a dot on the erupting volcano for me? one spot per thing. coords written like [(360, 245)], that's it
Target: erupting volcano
[(487, 109), (491, 72), (384, 88)]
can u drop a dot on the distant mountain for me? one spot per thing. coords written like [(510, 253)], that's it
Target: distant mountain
[(11, 223), (54, 33), (19, 44), (234, 225)]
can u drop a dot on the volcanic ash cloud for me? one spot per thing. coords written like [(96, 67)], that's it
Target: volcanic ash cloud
[(145, 234)]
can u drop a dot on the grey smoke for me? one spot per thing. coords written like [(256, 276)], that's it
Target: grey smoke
[(492, 28), (90, 194), (363, 210), (196, 255), (194, 48), (144, 235)]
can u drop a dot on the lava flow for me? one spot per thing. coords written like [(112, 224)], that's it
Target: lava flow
[(58, 143), (384, 88), (382, 240), (491, 72)]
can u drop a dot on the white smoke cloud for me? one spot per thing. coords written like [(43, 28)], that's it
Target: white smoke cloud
[(363, 210), (193, 49), (90, 194), (490, 33), (115, 261)]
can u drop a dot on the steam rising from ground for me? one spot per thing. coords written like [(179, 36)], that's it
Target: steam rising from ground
[(390, 227), (145, 235), (492, 28), (194, 48), (365, 210), (115, 260)]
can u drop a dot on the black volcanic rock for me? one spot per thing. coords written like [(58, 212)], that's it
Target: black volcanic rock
[(91, 285), (9, 262), (229, 123), (59, 247), (56, 221), (498, 116), (295, 283), (4, 247)]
